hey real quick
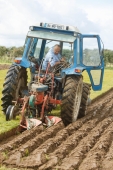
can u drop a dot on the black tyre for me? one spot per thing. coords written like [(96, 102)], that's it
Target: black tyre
[(10, 112), (15, 82), (71, 99), (84, 100)]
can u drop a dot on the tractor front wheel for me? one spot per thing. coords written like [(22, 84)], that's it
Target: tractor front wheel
[(71, 99)]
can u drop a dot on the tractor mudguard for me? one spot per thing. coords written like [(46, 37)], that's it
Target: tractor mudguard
[(22, 62)]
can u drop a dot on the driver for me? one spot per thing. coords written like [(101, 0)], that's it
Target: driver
[(53, 57)]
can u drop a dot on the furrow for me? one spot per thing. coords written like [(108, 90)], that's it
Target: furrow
[(100, 108), (15, 156), (22, 138), (75, 158), (32, 145), (51, 144), (94, 157), (19, 141), (103, 96), (63, 150), (107, 161), (84, 144), (104, 100)]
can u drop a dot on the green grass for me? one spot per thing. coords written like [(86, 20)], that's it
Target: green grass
[(6, 60), (109, 68), (7, 125)]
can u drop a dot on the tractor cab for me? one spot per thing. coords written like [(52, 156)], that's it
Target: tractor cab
[(82, 52)]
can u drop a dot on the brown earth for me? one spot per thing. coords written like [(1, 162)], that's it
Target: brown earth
[(86, 144), (4, 66)]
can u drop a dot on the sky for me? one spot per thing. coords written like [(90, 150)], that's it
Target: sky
[(90, 17)]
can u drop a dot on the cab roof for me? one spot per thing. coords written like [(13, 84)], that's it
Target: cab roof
[(55, 26)]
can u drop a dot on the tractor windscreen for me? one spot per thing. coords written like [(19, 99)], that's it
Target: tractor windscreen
[(51, 36), (40, 47)]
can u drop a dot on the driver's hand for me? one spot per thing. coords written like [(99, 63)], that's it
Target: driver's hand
[(62, 59)]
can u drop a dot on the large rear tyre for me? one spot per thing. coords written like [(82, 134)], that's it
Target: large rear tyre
[(15, 82), (85, 99), (71, 99)]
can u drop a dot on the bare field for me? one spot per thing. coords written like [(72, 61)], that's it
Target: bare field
[(85, 144), (4, 66)]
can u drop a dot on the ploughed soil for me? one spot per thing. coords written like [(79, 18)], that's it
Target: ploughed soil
[(4, 66), (86, 144)]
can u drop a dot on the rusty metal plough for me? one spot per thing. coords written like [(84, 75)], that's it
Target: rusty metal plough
[(39, 100)]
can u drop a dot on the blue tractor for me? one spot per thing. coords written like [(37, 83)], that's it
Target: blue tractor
[(63, 85)]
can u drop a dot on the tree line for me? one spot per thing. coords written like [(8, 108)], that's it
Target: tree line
[(108, 57), (7, 55), (10, 53)]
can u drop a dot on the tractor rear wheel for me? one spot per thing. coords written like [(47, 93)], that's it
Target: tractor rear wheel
[(15, 82), (71, 99), (85, 99)]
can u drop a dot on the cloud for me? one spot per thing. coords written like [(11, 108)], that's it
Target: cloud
[(17, 15), (100, 14)]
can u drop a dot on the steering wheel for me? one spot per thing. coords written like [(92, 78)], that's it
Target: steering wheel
[(62, 65)]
